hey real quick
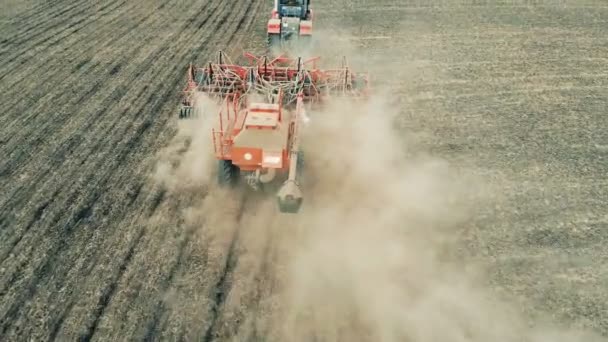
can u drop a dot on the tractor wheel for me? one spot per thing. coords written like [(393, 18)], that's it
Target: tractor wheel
[(227, 173)]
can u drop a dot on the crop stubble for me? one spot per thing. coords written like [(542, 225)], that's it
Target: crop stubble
[(91, 250), (71, 237)]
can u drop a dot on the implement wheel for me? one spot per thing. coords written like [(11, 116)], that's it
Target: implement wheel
[(227, 173), (186, 112)]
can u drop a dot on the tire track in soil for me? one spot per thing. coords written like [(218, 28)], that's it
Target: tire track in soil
[(230, 261), (221, 234), (89, 208), (261, 316), (194, 287), (226, 321), (257, 326), (42, 207), (42, 210), (160, 308), (224, 278), (150, 58), (106, 107), (139, 269), (237, 318), (223, 287)]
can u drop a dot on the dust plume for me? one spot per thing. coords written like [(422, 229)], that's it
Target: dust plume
[(189, 159), (187, 167), (374, 255)]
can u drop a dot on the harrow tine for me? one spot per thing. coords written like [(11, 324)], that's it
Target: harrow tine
[(267, 75), (188, 112)]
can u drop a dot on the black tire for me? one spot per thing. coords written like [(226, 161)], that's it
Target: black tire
[(227, 173)]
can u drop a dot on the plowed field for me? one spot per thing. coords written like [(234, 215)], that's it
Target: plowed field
[(481, 217)]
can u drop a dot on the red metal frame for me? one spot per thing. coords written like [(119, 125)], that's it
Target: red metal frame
[(228, 82), (233, 78), (221, 140)]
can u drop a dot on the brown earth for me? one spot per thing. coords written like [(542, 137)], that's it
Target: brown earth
[(482, 217)]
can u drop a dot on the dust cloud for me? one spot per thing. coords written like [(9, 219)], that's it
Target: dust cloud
[(373, 254), (189, 159)]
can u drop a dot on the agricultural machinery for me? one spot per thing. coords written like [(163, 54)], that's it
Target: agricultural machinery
[(290, 22), (262, 105)]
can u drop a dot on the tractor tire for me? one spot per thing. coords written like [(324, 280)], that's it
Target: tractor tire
[(227, 173)]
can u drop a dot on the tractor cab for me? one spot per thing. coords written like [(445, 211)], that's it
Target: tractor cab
[(293, 9), (291, 20)]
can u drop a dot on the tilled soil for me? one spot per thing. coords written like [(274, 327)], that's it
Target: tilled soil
[(512, 95)]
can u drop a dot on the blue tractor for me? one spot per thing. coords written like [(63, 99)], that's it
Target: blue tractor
[(291, 21)]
